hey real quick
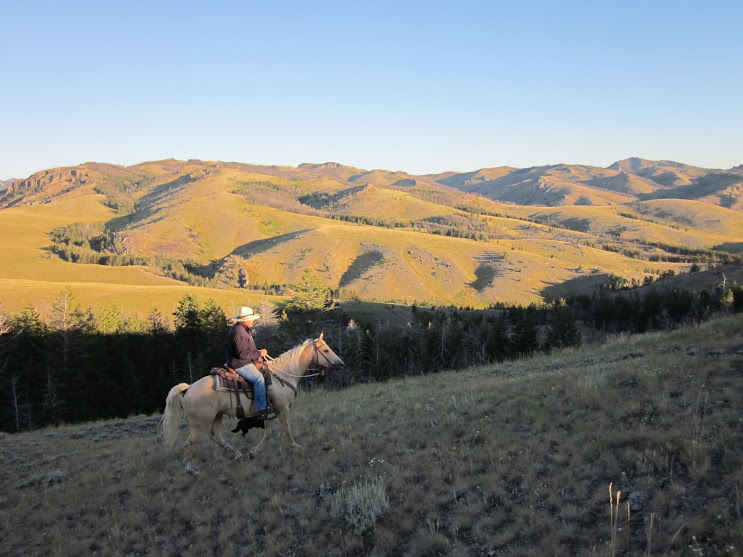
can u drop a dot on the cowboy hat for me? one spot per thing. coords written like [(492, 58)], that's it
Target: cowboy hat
[(246, 314)]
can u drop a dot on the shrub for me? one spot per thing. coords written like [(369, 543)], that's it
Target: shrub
[(361, 505)]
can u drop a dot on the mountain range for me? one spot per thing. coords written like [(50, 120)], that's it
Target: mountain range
[(470, 239)]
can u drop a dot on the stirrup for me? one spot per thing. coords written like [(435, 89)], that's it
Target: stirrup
[(267, 414)]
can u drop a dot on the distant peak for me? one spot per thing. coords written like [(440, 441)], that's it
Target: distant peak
[(632, 164), (320, 166), (636, 164)]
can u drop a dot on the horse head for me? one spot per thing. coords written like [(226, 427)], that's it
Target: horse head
[(324, 357)]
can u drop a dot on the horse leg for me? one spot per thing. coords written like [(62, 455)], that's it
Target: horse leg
[(215, 433), (266, 436), (193, 438), (284, 417)]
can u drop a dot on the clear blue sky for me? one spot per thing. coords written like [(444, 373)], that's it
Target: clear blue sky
[(421, 87)]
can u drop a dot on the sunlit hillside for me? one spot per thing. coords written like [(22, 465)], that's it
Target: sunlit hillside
[(498, 235), (32, 277), (666, 173), (622, 182), (676, 222)]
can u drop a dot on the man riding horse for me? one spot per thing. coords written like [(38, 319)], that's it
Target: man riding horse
[(242, 355)]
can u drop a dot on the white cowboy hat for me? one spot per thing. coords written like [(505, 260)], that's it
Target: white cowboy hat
[(246, 314)]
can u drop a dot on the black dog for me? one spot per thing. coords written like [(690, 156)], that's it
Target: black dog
[(245, 424)]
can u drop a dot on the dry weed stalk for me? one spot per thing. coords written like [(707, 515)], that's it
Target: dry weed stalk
[(614, 517), (649, 534), (737, 511), (696, 446)]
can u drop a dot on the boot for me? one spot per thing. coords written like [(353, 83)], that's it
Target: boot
[(267, 414)]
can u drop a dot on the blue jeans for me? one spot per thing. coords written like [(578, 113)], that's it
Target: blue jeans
[(251, 373)]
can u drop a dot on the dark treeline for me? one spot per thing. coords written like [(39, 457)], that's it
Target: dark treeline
[(76, 365)]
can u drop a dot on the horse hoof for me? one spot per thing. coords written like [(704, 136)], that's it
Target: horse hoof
[(190, 470), (251, 455), (238, 456)]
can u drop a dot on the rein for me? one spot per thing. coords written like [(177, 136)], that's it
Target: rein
[(297, 376)]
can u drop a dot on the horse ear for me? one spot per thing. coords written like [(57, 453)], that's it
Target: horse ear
[(321, 334)]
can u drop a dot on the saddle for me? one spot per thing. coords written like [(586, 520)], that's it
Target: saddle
[(227, 379)]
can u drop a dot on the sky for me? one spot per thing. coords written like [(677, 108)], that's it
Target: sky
[(421, 87)]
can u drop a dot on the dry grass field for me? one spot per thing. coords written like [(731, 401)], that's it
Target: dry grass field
[(32, 277), (512, 459)]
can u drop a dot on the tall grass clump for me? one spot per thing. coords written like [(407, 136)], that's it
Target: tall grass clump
[(695, 447), (361, 505)]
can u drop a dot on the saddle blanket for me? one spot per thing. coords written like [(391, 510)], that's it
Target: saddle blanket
[(227, 381)]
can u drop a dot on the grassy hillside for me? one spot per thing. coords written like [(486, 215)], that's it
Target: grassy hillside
[(676, 222), (32, 277), (373, 235), (514, 459), (620, 183)]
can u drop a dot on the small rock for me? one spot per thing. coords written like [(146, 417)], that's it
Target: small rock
[(325, 489), (637, 500)]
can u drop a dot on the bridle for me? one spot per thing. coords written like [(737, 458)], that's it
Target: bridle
[(315, 361), (316, 356)]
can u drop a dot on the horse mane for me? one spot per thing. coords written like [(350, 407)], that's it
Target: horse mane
[(288, 362)]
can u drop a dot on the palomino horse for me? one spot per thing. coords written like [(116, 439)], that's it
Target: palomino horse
[(204, 406)]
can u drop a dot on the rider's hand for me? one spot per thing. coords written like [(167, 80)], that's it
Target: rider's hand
[(263, 352)]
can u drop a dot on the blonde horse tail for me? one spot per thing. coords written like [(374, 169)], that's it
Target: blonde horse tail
[(172, 415)]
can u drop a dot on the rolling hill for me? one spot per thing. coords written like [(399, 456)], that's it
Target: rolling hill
[(499, 235), (630, 179)]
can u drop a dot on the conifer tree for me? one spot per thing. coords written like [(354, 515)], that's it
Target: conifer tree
[(525, 334), (562, 331), (310, 293), (4, 340), (213, 324), (499, 341), (26, 356)]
